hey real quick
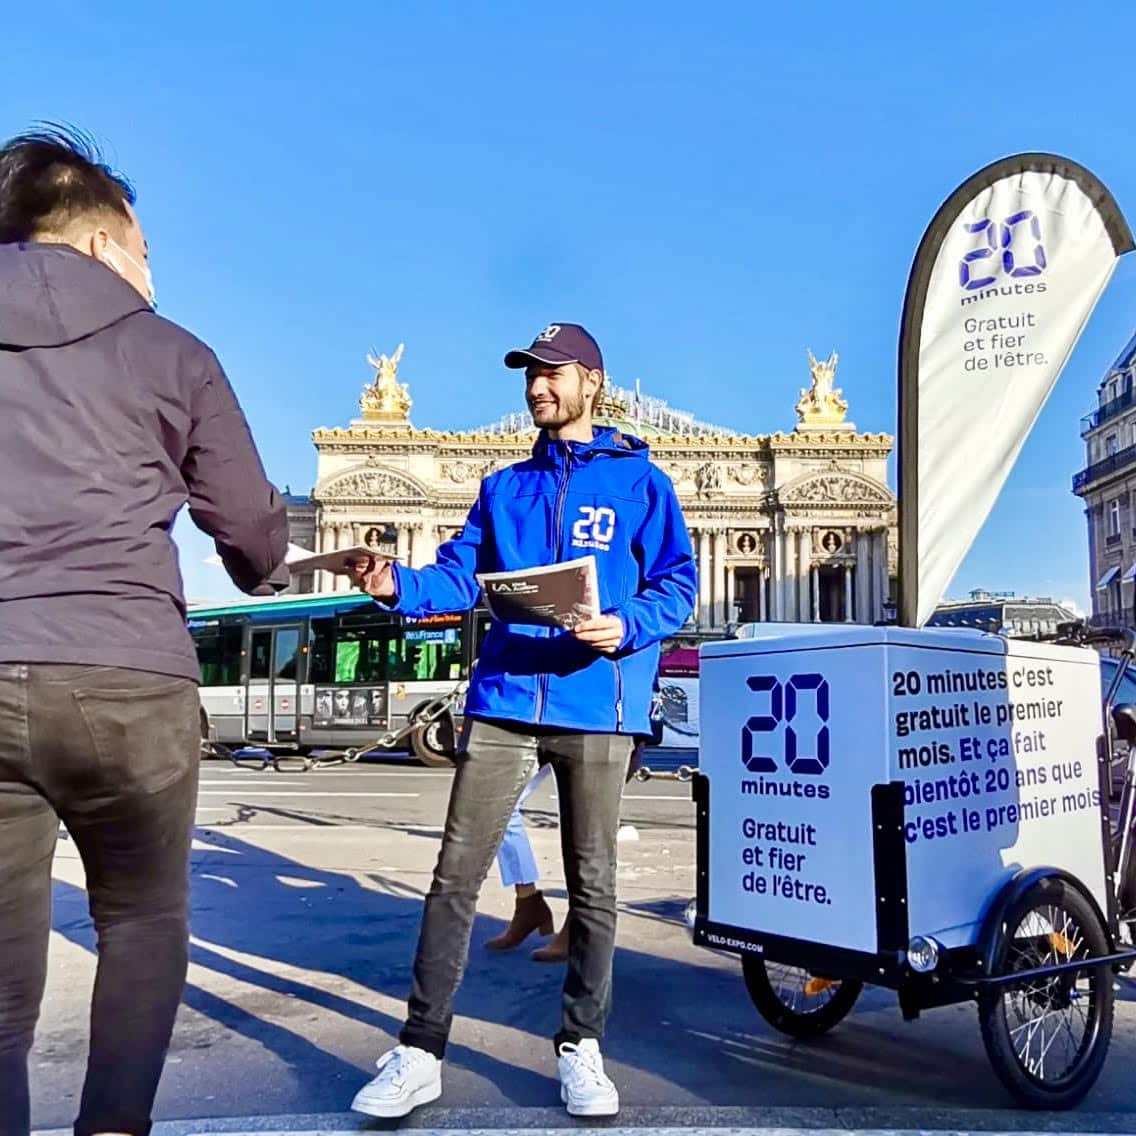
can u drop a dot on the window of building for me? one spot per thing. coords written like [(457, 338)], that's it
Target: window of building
[(1114, 517), (1110, 445)]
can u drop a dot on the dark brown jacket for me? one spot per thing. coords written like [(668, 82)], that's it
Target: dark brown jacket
[(111, 419)]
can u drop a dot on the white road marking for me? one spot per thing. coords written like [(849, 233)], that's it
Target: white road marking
[(282, 784), (270, 774), (305, 793), (660, 1121), (246, 827)]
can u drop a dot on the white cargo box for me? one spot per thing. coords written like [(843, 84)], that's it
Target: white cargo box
[(990, 743)]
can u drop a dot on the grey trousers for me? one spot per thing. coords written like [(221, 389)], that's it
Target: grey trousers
[(497, 761)]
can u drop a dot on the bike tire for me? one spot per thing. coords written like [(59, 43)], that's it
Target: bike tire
[(784, 1015), (1074, 931)]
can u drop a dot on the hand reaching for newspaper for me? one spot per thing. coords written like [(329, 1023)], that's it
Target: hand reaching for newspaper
[(604, 633), (375, 577)]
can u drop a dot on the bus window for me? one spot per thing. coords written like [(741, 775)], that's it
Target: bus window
[(219, 655), (427, 655), (321, 646), (362, 649), (287, 653), (347, 660), (261, 647), (481, 625)]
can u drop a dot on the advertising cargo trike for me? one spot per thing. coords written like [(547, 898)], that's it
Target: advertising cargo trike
[(922, 809), (949, 840)]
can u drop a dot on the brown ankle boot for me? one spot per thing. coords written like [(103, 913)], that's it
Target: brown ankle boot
[(557, 950), (531, 914)]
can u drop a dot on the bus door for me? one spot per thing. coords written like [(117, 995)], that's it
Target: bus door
[(272, 701)]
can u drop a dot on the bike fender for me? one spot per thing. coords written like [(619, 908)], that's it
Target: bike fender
[(991, 933)]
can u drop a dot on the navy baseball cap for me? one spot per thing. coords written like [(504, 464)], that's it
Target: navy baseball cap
[(557, 345)]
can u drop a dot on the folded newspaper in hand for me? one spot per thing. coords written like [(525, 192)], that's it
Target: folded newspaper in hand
[(555, 595), (300, 560)]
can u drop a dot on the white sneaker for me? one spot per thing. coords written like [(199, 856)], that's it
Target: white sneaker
[(584, 1086), (407, 1078)]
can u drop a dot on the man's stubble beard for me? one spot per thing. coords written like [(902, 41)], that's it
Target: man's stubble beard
[(569, 411)]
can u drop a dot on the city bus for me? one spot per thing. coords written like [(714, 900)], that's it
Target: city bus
[(325, 671)]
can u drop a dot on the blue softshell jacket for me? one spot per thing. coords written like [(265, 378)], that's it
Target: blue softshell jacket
[(570, 499)]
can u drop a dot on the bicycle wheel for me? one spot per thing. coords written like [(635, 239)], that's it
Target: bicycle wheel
[(798, 1003), (1047, 1038)]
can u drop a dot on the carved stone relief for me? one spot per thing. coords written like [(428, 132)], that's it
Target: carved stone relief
[(372, 485)]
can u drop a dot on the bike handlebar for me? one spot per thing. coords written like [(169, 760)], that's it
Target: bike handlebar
[(1081, 635), (1125, 635)]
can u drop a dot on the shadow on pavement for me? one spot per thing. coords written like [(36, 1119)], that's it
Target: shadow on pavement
[(681, 1017)]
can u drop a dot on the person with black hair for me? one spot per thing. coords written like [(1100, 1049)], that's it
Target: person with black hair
[(111, 419)]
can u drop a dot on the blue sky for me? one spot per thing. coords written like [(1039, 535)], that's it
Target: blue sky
[(711, 189)]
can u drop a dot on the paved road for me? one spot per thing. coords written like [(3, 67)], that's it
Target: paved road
[(307, 895)]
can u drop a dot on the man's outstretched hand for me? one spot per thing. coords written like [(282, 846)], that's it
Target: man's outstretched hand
[(604, 633), (375, 577)]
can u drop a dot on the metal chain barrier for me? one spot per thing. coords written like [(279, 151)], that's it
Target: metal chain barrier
[(303, 763), (682, 773)]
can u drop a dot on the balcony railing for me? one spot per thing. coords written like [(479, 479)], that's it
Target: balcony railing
[(1109, 410), (1103, 468), (1112, 619)]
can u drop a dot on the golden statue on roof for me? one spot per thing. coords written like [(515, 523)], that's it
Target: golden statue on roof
[(385, 399), (821, 406)]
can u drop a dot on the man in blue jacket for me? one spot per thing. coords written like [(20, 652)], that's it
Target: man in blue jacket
[(574, 699)]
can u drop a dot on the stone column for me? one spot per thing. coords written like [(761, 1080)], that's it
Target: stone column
[(731, 594), (320, 580), (704, 613), (804, 575), (789, 574), (847, 593), (425, 545), (403, 545), (881, 566), (776, 570), (721, 608), (870, 590), (331, 543), (343, 533), (762, 596), (816, 594), (877, 592), (863, 577)]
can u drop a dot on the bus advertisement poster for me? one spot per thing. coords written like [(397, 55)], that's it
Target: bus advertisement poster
[(343, 706)]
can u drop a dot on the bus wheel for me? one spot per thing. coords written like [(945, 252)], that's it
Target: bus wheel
[(433, 742), (206, 747)]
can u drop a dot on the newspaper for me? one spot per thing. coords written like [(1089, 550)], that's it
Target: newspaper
[(339, 561), (555, 595)]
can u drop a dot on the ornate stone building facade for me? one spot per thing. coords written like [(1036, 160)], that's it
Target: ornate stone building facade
[(786, 526)]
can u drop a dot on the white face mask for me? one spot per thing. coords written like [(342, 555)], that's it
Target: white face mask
[(149, 295)]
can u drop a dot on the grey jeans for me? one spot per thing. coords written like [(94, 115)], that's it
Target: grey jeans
[(497, 760), (114, 754)]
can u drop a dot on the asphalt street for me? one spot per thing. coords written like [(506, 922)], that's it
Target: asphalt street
[(307, 891)]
